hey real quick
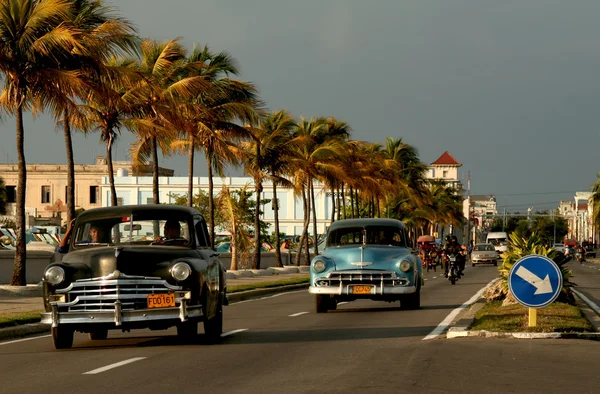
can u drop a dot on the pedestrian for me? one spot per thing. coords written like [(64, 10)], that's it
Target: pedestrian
[(285, 248)]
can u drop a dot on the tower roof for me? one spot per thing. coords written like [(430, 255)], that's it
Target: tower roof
[(446, 159)]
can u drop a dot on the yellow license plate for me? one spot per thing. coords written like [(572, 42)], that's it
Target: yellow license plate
[(161, 300), (361, 289)]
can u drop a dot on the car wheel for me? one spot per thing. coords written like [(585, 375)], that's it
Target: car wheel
[(495, 263), (332, 304), (321, 303), (98, 335), (472, 264), (187, 330), (62, 337), (213, 328)]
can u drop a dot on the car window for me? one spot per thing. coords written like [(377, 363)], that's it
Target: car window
[(137, 230), (370, 235)]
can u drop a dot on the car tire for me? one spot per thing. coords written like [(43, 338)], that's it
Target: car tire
[(98, 335), (495, 263), (322, 303), (332, 304), (213, 328), (187, 330), (472, 264), (62, 337)]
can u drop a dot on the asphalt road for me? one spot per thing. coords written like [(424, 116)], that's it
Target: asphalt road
[(279, 345)]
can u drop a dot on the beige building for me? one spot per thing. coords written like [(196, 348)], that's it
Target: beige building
[(45, 200), (445, 168)]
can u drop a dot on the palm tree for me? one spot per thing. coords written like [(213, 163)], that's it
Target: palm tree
[(596, 202), (208, 119), (105, 35), (234, 211), (36, 37), (265, 159)]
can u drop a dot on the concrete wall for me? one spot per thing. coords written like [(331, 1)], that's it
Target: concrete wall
[(34, 268), (38, 260)]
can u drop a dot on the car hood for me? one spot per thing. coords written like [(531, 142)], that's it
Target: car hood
[(140, 260), (367, 257)]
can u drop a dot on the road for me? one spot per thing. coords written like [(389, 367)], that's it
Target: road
[(279, 345)]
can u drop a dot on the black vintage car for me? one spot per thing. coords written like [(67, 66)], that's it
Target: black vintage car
[(139, 266)]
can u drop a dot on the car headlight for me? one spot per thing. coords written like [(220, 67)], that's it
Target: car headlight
[(54, 275), (319, 266), (181, 271), (405, 265)]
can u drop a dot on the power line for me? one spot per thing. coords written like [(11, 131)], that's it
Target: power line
[(531, 194)]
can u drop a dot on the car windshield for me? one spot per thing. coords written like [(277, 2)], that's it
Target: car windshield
[(158, 230), (498, 241), (484, 248), (370, 235)]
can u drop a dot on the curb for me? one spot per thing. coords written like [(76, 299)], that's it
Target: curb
[(27, 291), (39, 328)]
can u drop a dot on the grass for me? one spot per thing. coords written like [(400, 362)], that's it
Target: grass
[(556, 317), (263, 285), (18, 318)]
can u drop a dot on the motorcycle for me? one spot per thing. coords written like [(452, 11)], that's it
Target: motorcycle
[(453, 269)]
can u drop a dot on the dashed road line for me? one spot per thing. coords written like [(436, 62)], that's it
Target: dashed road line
[(267, 297), (297, 314), (111, 366), (226, 334)]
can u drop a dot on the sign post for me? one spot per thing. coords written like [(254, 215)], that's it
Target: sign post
[(535, 281)]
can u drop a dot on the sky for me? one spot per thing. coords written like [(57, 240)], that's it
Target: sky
[(510, 88)]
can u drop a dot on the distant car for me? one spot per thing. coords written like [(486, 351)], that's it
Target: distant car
[(130, 277), (559, 247), (366, 259), (484, 253)]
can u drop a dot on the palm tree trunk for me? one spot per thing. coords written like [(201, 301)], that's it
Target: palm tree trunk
[(278, 261), (357, 201), (304, 230), (211, 204), (343, 202), (19, 268), (306, 224), (352, 202), (155, 195), (378, 208), (314, 210), (191, 173), (256, 258), (70, 169), (333, 205), (111, 174)]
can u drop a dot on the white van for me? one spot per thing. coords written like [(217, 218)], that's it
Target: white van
[(499, 240)]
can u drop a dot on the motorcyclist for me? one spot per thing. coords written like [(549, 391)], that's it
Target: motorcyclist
[(455, 248)]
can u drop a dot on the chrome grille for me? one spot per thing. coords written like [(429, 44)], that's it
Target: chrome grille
[(364, 277), (99, 295)]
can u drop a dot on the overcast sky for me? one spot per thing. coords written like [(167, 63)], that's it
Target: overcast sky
[(510, 88)]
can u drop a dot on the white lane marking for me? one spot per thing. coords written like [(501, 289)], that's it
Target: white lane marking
[(448, 320), (115, 365), (425, 279), (298, 314), (23, 340), (226, 334), (590, 303), (264, 298), (342, 303), (434, 277)]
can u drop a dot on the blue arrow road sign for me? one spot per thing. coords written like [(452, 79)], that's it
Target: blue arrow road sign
[(535, 281)]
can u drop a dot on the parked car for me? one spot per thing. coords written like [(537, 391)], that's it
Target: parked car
[(559, 247), (484, 253), (131, 277), (366, 259)]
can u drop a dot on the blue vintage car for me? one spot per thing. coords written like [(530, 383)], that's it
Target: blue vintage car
[(366, 259)]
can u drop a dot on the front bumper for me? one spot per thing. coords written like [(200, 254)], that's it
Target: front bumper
[(375, 290), (119, 317)]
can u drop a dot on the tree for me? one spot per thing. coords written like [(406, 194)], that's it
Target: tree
[(3, 197), (237, 212), (596, 202), (36, 38), (104, 35)]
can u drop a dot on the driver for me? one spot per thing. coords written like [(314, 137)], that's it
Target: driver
[(171, 231), (455, 248)]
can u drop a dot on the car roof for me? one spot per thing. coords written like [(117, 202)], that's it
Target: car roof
[(362, 222), (125, 210)]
